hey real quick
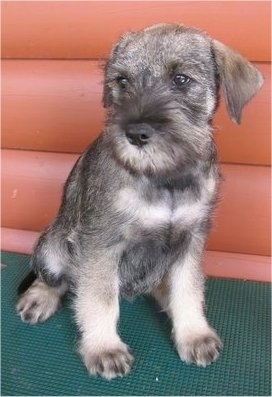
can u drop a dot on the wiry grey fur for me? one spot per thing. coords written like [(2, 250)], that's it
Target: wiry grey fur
[(134, 216)]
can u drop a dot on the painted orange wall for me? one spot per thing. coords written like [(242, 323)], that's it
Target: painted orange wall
[(51, 96)]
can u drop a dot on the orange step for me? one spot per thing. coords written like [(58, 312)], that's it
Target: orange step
[(84, 30), (56, 106), (32, 186), (215, 263)]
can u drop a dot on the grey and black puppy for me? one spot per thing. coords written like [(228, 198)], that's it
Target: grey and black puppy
[(136, 207)]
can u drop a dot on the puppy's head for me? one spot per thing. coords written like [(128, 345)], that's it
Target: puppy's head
[(161, 90)]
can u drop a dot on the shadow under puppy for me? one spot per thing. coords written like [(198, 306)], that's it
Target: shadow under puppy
[(136, 207)]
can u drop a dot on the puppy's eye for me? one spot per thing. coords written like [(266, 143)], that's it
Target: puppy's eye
[(122, 82), (181, 80)]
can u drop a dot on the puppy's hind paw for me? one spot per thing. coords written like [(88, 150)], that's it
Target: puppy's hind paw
[(38, 303), (108, 363)]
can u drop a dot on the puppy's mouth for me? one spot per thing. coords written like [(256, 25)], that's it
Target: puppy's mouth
[(139, 134)]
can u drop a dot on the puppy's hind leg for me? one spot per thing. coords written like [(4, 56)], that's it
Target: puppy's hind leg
[(40, 292), (161, 294)]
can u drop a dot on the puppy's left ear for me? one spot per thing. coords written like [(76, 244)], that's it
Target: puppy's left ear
[(239, 79)]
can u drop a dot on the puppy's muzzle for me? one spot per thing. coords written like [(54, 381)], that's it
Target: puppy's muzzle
[(138, 134)]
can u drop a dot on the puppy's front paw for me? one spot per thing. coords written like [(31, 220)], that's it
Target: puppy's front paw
[(108, 363), (201, 349)]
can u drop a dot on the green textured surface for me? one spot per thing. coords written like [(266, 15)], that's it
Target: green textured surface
[(42, 359)]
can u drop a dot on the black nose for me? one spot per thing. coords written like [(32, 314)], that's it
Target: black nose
[(138, 134)]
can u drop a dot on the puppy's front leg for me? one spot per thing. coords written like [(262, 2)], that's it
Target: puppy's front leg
[(97, 313), (196, 341)]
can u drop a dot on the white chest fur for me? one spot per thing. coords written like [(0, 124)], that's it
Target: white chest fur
[(149, 214), (160, 212)]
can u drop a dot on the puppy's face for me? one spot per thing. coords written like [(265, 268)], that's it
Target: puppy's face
[(161, 91)]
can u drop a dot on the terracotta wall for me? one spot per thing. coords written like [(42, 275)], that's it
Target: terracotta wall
[(51, 100)]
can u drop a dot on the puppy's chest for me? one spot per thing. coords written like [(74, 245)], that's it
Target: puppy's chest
[(156, 231), (162, 210)]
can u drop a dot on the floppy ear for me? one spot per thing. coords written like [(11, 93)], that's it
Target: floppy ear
[(116, 49), (239, 79)]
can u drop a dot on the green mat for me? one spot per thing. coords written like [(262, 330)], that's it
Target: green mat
[(42, 359)]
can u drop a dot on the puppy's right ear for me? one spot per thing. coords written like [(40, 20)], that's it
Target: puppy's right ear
[(239, 79), (116, 50)]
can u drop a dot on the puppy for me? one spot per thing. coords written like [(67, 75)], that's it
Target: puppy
[(137, 205)]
